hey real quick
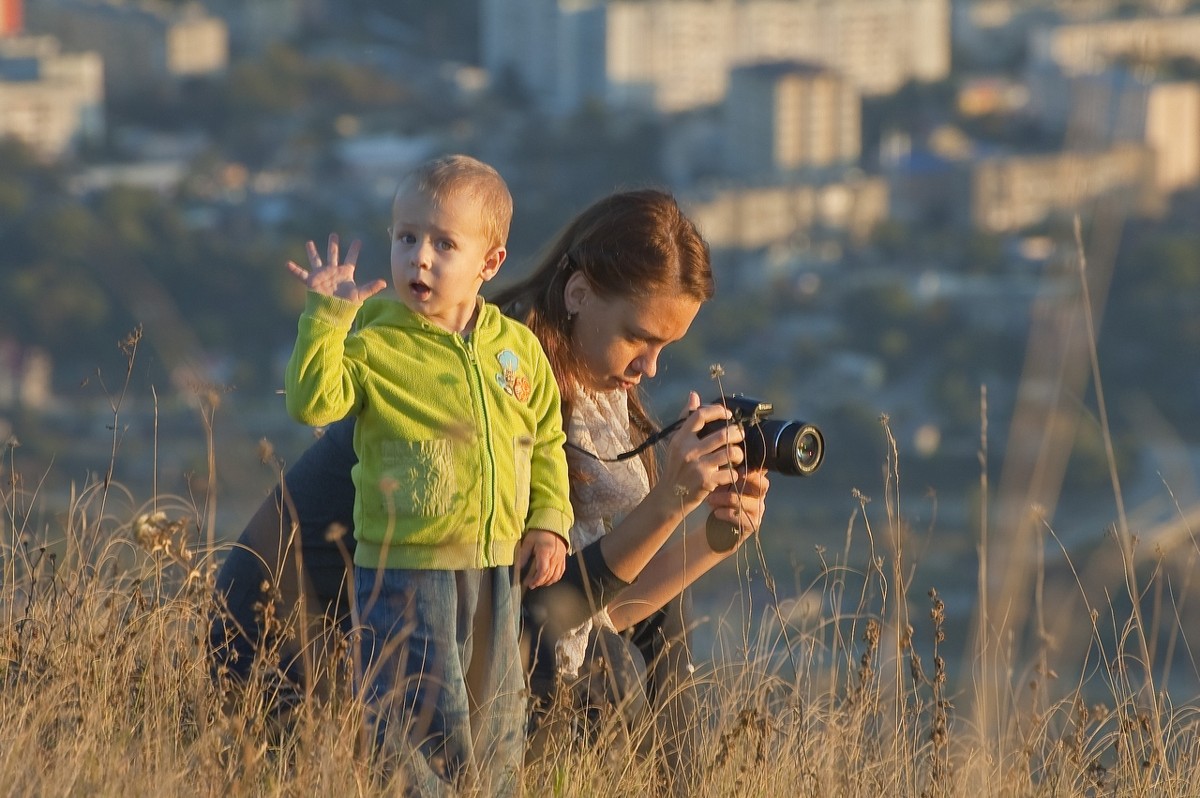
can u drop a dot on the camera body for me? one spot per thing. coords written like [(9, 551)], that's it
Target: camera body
[(795, 448)]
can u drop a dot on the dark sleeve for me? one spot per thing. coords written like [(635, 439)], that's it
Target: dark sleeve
[(591, 573), (319, 493), (550, 612), (587, 585)]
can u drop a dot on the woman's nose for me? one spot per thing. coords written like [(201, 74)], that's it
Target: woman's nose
[(648, 363)]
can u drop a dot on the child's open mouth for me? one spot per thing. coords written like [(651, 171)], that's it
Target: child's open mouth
[(420, 291)]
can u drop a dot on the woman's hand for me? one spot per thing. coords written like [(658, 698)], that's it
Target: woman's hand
[(335, 278), (742, 503), (694, 467)]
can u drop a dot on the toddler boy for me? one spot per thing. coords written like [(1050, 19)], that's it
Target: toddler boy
[(461, 473)]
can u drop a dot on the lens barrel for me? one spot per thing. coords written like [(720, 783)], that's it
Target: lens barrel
[(788, 447)]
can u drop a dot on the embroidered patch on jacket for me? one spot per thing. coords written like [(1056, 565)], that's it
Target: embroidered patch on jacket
[(510, 377)]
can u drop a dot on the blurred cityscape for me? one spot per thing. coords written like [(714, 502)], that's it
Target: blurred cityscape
[(890, 189)]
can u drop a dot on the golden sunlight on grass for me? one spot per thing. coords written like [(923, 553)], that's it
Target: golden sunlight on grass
[(855, 686), (843, 690)]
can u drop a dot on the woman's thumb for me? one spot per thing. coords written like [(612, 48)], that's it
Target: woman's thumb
[(693, 404)]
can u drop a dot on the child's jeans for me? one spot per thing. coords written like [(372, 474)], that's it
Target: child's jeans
[(441, 676)]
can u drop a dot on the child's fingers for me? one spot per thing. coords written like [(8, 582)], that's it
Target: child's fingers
[(297, 270), (333, 249), (537, 573), (371, 289)]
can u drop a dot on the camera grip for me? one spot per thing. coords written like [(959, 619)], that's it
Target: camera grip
[(722, 536)]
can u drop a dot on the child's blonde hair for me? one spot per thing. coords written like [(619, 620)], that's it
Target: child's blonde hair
[(464, 176)]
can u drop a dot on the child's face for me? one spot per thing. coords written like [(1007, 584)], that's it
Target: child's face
[(440, 257)]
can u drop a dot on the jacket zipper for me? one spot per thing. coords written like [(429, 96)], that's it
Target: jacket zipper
[(488, 514)]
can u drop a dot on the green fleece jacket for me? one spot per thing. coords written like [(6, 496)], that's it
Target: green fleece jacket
[(459, 441)]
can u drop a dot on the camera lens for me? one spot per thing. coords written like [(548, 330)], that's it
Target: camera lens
[(809, 449), (788, 447)]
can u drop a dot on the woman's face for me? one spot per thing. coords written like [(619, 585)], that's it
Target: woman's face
[(619, 340)]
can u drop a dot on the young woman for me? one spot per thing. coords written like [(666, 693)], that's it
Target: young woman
[(622, 281)]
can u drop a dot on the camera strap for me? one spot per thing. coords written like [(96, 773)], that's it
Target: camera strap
[(643, 446)]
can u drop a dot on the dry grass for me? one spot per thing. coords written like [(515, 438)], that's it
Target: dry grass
[(842, 690), (847, 688)]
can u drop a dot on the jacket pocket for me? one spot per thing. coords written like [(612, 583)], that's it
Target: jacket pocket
[(523, 454), (418, 477)]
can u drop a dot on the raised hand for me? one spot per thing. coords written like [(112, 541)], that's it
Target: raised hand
[(334, 278)]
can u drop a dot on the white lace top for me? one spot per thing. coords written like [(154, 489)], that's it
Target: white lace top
[(602, 494)]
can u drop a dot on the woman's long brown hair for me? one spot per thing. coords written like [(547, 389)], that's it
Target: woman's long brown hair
[(629, 245)]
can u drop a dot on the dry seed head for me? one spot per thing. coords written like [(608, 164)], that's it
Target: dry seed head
[(130, 342), (915, 669), (871, 633)]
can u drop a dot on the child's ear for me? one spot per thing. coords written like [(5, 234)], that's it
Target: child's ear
[(491, 263)]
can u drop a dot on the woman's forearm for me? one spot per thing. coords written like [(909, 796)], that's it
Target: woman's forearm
[(675, 567), (633, 543)]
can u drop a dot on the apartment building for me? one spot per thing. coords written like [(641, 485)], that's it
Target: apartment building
[(789, 117), (147, 48), (761, 216), (1011, 192), (675, 55), (1083, 47), (52, 101), (1116, 106)]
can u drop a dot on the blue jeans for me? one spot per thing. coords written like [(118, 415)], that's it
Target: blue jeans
[(442, 677)]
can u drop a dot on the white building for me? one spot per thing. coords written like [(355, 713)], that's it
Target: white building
[(50, 100), (674, 55), (789, 116), (1117, 107), (147, 48), (1012, 192), (1083, 47), (747, 218)]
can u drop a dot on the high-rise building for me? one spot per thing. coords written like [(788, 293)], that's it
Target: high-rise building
[(789, 116), (11, 17), (673, 55)]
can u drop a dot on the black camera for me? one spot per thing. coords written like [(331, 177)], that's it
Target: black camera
[(795, 448)]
